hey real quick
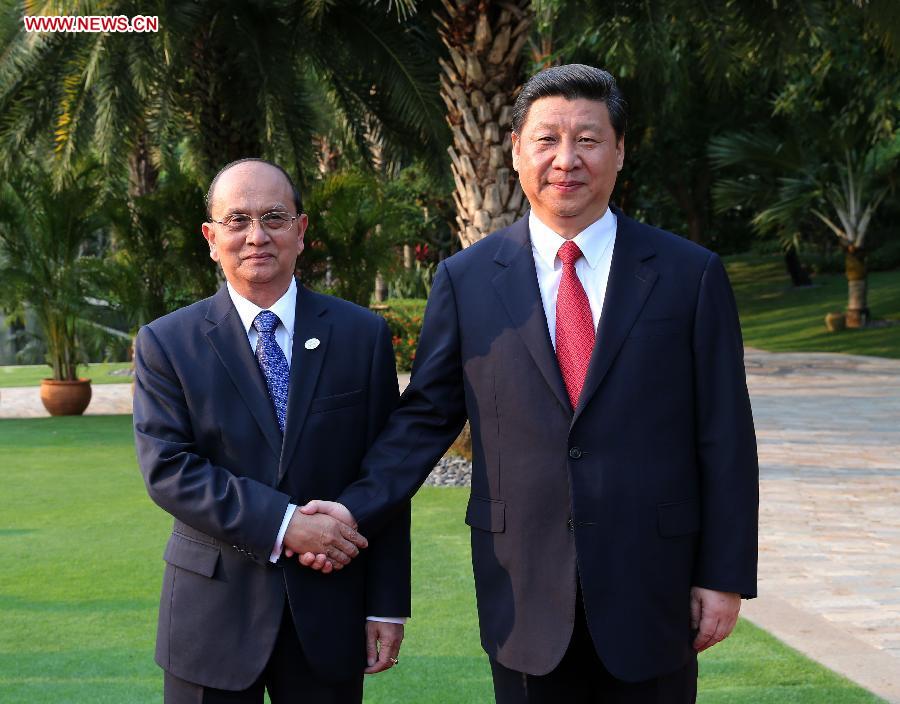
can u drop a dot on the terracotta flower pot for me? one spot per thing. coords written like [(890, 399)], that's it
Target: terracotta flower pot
[(65, 398)]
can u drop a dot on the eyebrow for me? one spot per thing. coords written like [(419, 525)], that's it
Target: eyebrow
[(578, 128), (276, 207)]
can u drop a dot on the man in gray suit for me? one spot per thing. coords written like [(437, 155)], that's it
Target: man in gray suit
[(248, 404)]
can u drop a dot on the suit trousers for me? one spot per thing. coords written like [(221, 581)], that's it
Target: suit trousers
[(286, 677), (581, 678)]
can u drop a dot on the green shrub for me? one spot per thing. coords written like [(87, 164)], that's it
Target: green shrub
[(886, 257), (823, 262), (404, 318)]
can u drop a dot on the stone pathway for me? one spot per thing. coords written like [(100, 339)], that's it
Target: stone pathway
[(25, 401), (828, 428), (829, 444)]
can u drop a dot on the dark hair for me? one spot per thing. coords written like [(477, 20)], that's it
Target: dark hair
[(572, 81), (212, 186)]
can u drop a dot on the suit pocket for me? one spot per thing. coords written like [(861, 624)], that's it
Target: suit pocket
[(192, 555), (679, 518), (655, 327), (486, 514), (330, 403)]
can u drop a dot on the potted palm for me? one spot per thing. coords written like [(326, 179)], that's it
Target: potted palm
[(44, 230)]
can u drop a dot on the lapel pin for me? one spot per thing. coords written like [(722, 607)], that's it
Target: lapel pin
[(311, 343)]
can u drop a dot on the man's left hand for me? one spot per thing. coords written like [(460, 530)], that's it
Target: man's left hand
[(713, 615), (382, 645)]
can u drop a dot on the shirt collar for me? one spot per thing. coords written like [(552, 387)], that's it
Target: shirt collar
[(592, 241), (285, 307)]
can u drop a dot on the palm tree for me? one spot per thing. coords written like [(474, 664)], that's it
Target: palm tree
[(222, 79), (484, 41), (44, 235), (785, 181)]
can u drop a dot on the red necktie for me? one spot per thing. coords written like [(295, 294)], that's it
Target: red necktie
[(574, 324)]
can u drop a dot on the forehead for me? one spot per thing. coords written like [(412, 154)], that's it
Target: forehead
[(558, 111), (251, 185)]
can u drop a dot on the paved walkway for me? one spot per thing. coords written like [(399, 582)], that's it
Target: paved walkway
[(828, 428), (829, 446)]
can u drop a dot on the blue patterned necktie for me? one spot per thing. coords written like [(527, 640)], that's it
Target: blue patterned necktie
[(273, 363)]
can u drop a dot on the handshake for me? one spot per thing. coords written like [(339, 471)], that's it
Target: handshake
[(323, 536)]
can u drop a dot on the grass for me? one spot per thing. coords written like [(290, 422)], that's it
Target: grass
[(31, 374), (779, 318), (80, 571)]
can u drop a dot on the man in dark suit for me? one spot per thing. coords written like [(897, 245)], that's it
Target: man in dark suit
[(246, 405), (600, 364)]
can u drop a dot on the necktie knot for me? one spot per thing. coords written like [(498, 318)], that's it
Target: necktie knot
[(266, 321), (569, 253)]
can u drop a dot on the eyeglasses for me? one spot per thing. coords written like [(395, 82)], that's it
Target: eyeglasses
[(241, 222)]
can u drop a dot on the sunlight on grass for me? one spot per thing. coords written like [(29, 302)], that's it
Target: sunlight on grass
[(779, 318), (81, 565)]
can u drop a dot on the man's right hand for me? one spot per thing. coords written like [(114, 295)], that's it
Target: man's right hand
[(321, 561), (321, 534)]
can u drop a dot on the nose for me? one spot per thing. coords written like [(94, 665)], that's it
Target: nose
[(256, 234), (566, 157)]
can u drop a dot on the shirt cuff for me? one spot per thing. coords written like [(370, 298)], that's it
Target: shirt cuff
[(276, 551), (388, 619)]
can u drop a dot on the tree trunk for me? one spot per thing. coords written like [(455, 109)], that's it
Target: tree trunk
[(142, 174), (225, 126), (799, 275), (693, 199), (485, 41), (381, 288), (857, 287)]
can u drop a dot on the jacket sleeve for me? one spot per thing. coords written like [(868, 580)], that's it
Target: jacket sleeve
[(726, 441), (237, 510), (388, 561), (429, 418)]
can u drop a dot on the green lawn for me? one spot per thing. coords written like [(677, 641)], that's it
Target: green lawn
[(31, 374), (779, 318), (80, 569)]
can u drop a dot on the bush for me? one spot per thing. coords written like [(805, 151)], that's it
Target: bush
[(886, 257), (414, 282), (404, 318), (829, 261)]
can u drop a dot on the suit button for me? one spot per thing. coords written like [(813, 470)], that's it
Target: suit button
[(571, 525), (575, 452)]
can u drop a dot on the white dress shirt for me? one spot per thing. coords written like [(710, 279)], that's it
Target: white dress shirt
[(596, 243), (285, 308)]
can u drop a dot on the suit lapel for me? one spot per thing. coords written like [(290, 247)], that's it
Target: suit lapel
[(630, 282), (517, 287), (310, 323), (229, 340)]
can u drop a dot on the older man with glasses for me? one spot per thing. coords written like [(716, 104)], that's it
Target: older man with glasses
[(248, 404)]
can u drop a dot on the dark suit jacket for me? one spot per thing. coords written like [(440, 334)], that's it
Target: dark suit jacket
[(647, 488), (211, 454)]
